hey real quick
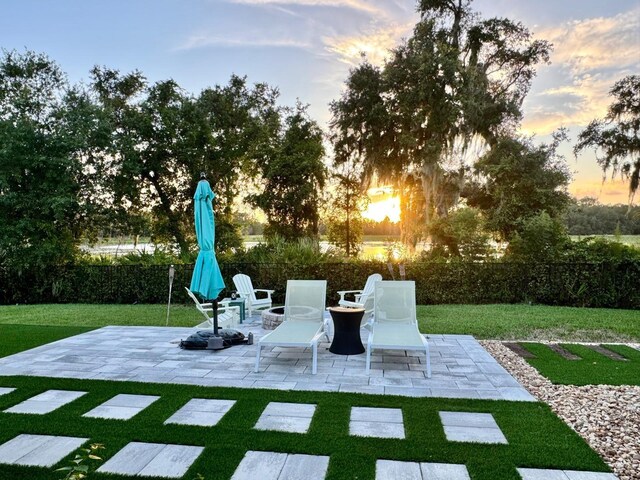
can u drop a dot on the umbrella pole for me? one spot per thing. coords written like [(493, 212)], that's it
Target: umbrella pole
[(214, 304)]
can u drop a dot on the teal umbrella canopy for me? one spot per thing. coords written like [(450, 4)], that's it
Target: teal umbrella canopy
[(207, 279)]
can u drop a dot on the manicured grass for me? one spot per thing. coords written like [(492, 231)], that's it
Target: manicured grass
[(531, 322), (537, 438), (16, 338), (592, 369), (505, 322)]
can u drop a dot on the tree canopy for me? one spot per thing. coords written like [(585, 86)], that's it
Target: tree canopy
[(457, 79), (616, 138)]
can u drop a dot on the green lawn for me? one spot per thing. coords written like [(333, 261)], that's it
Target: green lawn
[(508, 322), (592, 369), (532, 322), (16, 338), (537, 438)]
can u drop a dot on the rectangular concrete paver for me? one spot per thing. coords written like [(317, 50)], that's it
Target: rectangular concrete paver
[(263, 465), (546, 474), (6, 390), (281, 466), (38, 450), (471, 427), (444, 471), (172, 462), (299, 467), (46, 402), (395, 470), (376, 422), (152, 459), (286, 417), (201, 412), (122, 406)]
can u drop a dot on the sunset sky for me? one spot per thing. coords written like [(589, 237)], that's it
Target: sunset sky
[(306, 48)]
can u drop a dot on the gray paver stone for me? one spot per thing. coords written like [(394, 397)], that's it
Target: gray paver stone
[(115, 413), (298, 467), (38, 450), (376, 429), (468, 419), (263, 465), (541, 474), (6, 390), (578, 475), (283, 424), (374, 414), (444, 471), (394, 470), (132, 458), (474, 434), (173, 461), (303, 410)]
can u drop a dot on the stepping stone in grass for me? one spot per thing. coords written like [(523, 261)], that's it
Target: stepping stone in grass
[(564, 353), (6, 390), (152, 460), (201, 412), (602, 350), (286, 417), (281, 466), (519, 349), (376, 422), (544, 474), (122, 406), (393, 470), (45, 402), (471, 427), (38, 450)]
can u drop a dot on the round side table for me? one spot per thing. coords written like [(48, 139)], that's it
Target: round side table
[(346, 331)]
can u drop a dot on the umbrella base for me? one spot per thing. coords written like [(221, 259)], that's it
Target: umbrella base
[(215, 343)]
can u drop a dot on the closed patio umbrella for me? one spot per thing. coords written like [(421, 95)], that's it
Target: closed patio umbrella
[(206, 280)]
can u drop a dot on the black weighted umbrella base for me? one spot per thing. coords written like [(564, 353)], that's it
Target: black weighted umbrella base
[(215, 343)]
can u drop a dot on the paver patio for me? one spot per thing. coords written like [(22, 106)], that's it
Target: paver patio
[(461, 367)]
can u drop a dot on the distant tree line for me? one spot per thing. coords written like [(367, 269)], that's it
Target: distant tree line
[(588, 217)]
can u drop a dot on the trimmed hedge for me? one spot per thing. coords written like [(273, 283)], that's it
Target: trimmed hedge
[(611, 285)]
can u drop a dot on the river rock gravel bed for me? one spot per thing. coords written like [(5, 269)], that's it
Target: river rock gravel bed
[(606, 416)]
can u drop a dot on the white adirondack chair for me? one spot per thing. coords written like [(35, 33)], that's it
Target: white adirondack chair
[(303, 323), (394, 325), (245, 289), (228, 316), (362, 298)]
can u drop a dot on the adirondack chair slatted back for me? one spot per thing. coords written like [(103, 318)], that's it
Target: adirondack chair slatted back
[(305, 300), (395, 302), (366, 298), (199, 306), (244, 286)]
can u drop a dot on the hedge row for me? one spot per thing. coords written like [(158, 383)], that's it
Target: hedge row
[(615, 285)]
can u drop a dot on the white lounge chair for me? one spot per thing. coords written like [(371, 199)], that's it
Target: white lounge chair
[(303, 323), (394, 325), (245, 289), (228, 316), (362, 298)]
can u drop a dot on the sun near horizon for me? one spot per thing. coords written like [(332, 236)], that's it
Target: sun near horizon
[(383, 203)]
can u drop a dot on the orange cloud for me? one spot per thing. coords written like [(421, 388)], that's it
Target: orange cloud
[(589, 56), (607, 192)]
